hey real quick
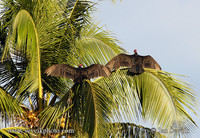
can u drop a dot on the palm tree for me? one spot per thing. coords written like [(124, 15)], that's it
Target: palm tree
[(37, 34)]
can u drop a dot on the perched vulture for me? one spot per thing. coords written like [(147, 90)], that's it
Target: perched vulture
[(78, 74), (135, 62)]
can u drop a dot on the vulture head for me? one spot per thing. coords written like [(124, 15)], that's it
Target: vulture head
[(80, 65), (135, 52)]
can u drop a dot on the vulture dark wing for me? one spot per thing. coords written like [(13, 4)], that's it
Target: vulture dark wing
[(62, 70), (121, 60), (149, 62), (95, 70)]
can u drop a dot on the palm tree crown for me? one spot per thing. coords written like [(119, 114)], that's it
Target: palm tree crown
[(38, 34)]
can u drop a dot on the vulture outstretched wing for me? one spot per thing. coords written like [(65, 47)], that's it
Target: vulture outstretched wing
[(95, 70), (62, 70), (121, 60), (149, 62), (135, 62)]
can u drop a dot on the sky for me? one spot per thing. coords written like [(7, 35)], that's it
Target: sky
[(168, 30)]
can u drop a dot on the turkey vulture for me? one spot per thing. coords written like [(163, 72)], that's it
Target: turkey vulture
[(135, 62), (78, 74)]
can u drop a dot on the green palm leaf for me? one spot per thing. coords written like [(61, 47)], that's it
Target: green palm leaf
[(90, 110), (13, 132), (25, 35), (50, 32), (93, 41), (154, 95), (92, 106), (133, 130), (50, 117), (9, 105), (10, 74)]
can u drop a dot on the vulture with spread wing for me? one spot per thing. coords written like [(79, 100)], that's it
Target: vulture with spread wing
[(78, 74), (135, 62)]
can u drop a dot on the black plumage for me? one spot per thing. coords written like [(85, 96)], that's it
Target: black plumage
[(78, 74), (135, 62)]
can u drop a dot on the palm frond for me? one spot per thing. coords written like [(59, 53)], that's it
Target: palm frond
[(12, 132), (154, 95), (57, 38), (90, 108), (79, 12), (133, 130), (51, 116), (10, 72), (125, 94), (93, 41), (9, 11), (25, 35), (8, 105), (182, 95)]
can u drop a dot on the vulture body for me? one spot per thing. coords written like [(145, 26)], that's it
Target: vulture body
[(135, 62), (78, 74)]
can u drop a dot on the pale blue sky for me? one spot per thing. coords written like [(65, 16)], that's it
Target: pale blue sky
[(169, 30)]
